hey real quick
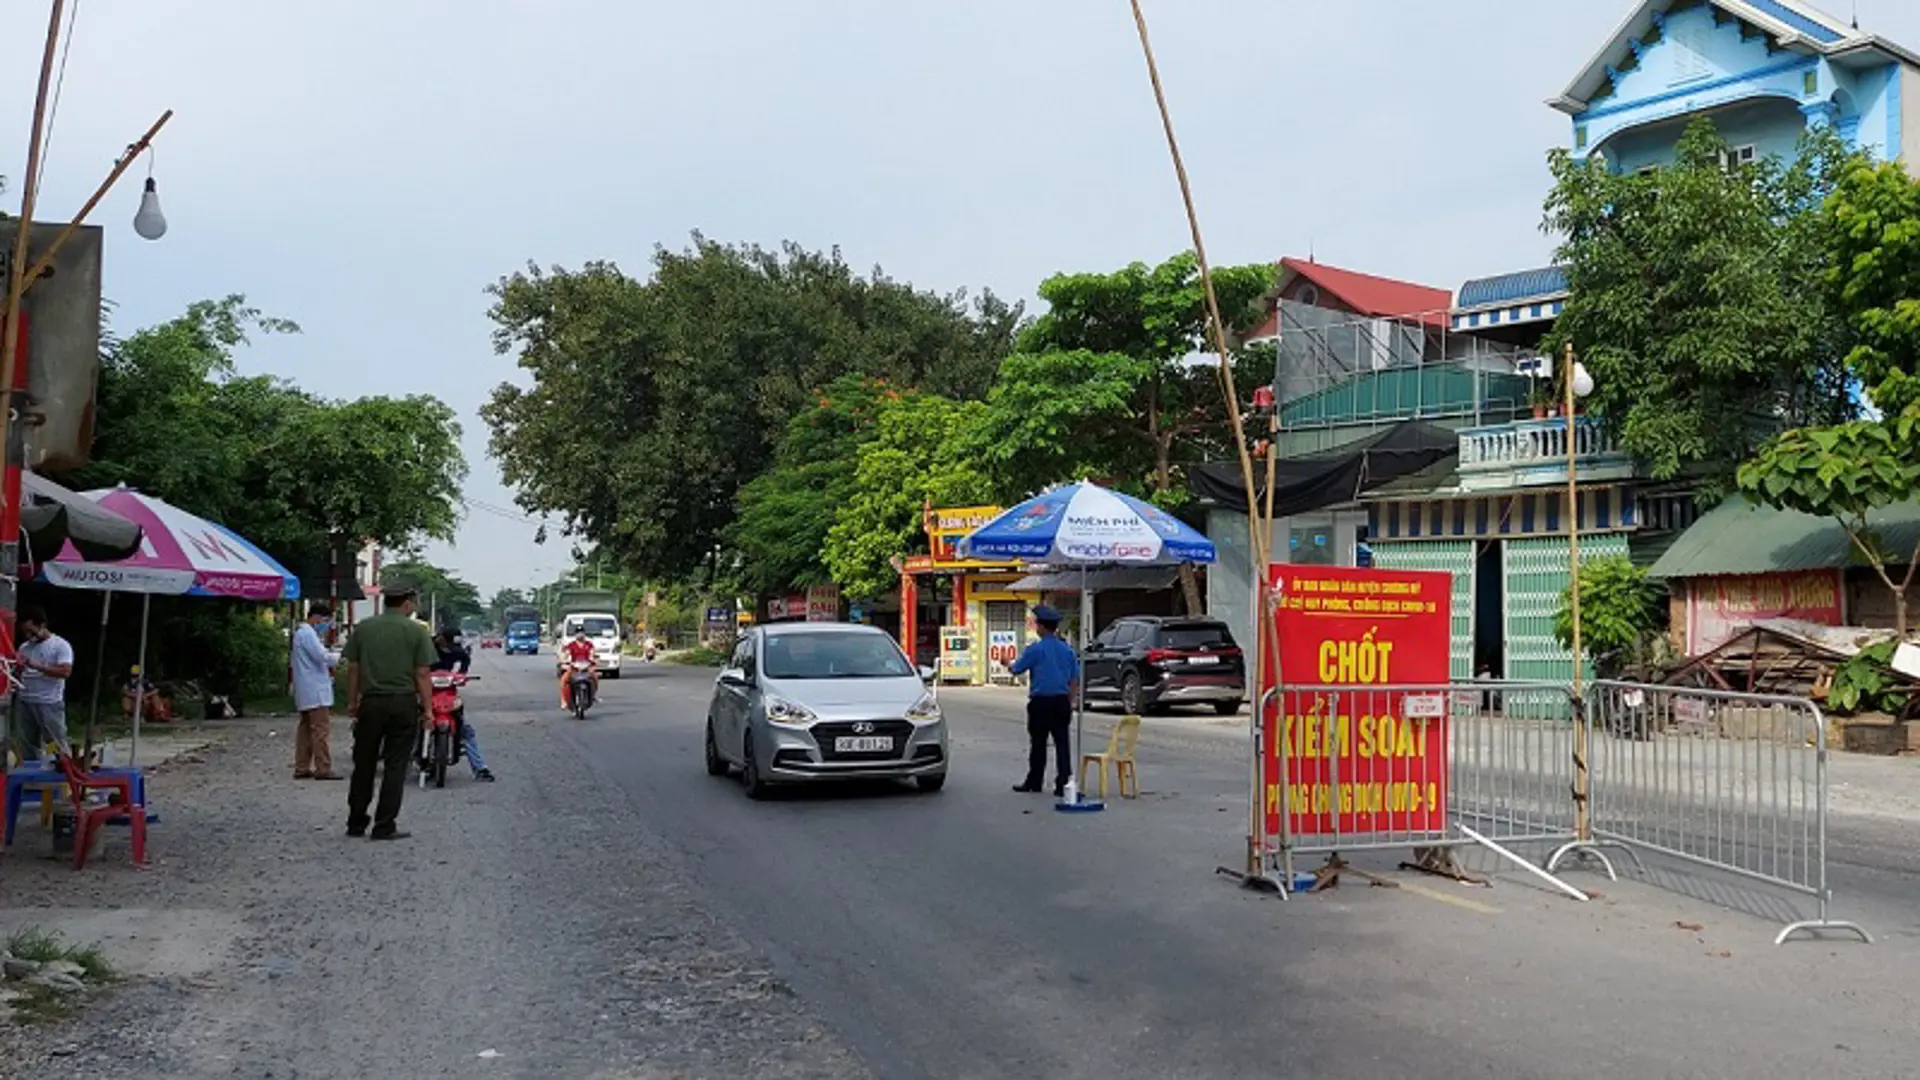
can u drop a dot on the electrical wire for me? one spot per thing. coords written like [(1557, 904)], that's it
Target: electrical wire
[(59, 83)]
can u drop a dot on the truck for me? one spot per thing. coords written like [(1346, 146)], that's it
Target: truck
[(597, 611), (522, 629)]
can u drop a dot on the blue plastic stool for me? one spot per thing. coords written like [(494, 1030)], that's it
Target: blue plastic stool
[(40, 773)]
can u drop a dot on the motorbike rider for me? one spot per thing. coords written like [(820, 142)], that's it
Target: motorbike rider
[(579, 650), (456, 657)]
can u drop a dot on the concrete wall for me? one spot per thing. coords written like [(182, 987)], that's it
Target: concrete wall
[(1229, 579)]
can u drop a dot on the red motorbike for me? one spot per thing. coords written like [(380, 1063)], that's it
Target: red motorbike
[(440, 744)]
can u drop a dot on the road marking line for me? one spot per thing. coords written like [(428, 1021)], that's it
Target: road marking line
[(1448, 898)]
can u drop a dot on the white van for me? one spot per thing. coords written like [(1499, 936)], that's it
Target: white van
[(603, 629)]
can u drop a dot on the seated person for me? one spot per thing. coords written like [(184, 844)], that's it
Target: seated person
[(153, 704), (455, 656)]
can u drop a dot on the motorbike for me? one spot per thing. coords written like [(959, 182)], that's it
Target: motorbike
[(580, 687), (440, 745)]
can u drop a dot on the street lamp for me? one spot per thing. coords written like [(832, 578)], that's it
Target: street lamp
[(1579, 384)]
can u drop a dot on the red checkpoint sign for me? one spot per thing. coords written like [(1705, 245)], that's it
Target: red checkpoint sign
[(1366, 761)]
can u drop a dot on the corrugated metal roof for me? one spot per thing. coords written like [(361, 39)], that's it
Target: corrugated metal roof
[(1511, 288), (1738, 537)]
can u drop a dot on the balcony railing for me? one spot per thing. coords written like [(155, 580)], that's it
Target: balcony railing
[(1528, 453)]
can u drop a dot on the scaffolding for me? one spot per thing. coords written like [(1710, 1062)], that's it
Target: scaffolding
[(1336, 369)]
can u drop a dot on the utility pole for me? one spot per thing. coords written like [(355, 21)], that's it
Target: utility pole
[(20, 276), (12, 367)]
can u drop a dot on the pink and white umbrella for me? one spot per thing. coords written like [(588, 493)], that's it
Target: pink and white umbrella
[(180, 555)]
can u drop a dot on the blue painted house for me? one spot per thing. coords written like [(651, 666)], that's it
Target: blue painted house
[(1764, 71)]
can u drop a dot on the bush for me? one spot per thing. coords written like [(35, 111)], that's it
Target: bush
[(1623, 618), (701, 656)]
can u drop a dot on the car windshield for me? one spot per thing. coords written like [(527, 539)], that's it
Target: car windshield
[(594, 627), (833, 656), (523, 628), (1195, 636)]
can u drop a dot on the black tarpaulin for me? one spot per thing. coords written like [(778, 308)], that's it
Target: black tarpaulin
[(1330, 477), (51, 515)]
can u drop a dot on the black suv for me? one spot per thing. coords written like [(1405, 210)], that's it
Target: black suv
[(1147, 662)]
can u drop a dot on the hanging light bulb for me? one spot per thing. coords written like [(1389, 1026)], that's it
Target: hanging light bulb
[(150, 223), (1582, 382)]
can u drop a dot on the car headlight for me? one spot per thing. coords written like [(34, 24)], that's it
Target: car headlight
[(927, 708), (782, 711)]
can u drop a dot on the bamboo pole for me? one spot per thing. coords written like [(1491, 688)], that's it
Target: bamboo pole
[(1257, 536), (45, 262)]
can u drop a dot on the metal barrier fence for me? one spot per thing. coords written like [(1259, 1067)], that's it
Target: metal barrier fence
[(1733, 782), (1499, 769)]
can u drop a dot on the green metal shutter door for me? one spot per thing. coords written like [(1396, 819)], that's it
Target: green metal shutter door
[(1536, 577), (1456, 558)]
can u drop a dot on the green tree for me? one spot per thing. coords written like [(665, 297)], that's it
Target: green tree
[(921, 452), (1690, 303), (653, 403), (501, 601), (785, 512), (450, 599), (1850, 471), (1623, 618), (1106, 386)]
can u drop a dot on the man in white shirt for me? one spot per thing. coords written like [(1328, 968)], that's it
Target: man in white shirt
[(46, 660), (313, 697)]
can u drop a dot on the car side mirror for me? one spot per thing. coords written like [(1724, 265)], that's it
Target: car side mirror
[(734, 676), (927, 674)]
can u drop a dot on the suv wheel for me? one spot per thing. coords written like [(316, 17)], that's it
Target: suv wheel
[(1130, 694), (716, 765), (1226, 708)]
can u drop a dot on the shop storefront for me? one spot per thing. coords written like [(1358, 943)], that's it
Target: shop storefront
[(962, 616)]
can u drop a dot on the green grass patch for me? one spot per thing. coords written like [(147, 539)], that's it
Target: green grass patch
[(38, 1004), (700, 656)]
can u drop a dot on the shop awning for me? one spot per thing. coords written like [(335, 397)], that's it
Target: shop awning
[(51, 515), (1331, 477), (1107, 579)]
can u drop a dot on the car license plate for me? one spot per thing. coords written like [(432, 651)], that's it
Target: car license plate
[(1203, 659), (862, 744)]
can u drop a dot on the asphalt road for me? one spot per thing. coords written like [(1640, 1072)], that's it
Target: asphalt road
[(976, 933)]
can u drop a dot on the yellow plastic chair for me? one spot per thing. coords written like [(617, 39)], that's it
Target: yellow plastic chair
[(1120, 747)]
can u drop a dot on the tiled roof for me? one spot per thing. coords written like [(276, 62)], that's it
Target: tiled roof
[(1378, 297), (1517, 287)]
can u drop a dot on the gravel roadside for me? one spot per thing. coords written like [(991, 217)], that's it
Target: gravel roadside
[(529, 928)]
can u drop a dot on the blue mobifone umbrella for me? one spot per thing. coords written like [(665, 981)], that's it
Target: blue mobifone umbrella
[(1086, 525)]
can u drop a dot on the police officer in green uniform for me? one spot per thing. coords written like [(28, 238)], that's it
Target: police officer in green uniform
[(390, 697)]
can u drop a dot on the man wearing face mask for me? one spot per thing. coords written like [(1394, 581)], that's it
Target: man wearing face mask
[(45, 662), (313, 697)]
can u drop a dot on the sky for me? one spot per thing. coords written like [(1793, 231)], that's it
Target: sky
[(367, 167)]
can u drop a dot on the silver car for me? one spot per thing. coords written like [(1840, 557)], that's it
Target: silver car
[(801, 702)]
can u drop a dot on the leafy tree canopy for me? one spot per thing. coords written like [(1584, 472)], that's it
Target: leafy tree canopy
[(282, 467), (652, 404), (1871, 226), (785, 512), (450, 599), (921, 452), (1692, 298)]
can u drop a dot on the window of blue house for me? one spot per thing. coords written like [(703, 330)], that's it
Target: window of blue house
[(1580, 136)]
